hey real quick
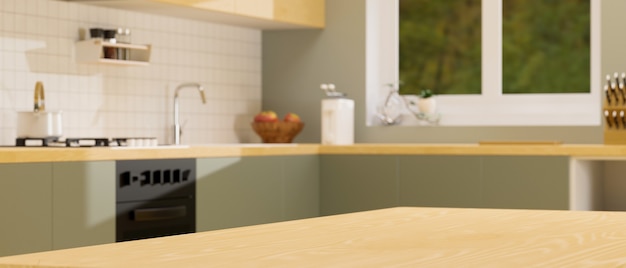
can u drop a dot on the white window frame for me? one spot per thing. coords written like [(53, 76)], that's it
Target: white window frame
[(491, 108)]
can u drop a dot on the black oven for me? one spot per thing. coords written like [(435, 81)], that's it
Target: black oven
[(155, 198)]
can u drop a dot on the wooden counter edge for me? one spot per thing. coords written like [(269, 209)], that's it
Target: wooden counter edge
[(31, 155)]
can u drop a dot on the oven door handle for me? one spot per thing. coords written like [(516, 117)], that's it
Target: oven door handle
[(156, 214)]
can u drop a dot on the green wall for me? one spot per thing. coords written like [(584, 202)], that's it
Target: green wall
[(296, 62)]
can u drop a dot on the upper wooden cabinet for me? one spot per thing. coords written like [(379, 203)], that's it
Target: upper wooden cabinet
[(256, 8), (259, 14), (304, 13), (227, 6)]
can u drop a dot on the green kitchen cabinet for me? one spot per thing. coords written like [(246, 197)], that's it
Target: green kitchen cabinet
[(440, 181), (233, 192), (301, 187), (83, 203), (26, 205), (350, 183), (241, 191), (526, 182)]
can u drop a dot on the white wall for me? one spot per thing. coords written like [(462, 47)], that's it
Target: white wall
[(37, 44)]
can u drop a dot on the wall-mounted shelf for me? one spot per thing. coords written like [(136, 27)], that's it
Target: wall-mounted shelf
[(92, 51)]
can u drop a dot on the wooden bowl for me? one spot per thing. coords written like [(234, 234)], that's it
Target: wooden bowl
[(277, 132)]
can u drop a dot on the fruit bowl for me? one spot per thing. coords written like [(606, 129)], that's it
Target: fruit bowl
[(277, 132)]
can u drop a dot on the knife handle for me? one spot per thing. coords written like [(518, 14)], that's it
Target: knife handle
[(607, 117)]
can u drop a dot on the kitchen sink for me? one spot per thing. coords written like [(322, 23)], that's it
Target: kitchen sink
[(166, 146), (249, 145)]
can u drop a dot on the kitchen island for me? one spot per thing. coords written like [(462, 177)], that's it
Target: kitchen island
[(398, 237)]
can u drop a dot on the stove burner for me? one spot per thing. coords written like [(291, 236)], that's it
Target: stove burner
[(39, 141), (86, 142)]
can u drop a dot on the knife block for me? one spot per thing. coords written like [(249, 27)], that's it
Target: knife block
[(614, 116)]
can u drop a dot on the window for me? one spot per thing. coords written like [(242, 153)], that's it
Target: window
[(440, 46), (545, 46), (574, 101)]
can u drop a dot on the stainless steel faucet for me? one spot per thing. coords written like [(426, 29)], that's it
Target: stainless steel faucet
[(177, 127)]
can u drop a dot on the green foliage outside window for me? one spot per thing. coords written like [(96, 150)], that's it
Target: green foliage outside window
[(440, 46), (546, 46)]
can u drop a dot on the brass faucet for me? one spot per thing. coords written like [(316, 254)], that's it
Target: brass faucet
[(40, 103)]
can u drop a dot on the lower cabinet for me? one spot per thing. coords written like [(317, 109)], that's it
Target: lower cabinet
[(352, 183), (526, 182), (301, 180), (240, 191), (26, 206), (48, 206), (83, 204), (440, 181), (60, 205)]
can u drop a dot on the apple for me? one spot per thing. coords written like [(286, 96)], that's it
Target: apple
[(266, 116), (292, 117)]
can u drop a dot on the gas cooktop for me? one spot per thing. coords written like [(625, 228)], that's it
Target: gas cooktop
[(86, 142)]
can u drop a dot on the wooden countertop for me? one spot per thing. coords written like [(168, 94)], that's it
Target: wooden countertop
[(64, 154), (530, 149), (396, 237), (39, 154)]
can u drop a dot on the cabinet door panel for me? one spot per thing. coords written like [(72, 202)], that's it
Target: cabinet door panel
[(233, 192), (301, 187), (356, 183), (528, 182), (440, 181), (84, 203), (26, 205)]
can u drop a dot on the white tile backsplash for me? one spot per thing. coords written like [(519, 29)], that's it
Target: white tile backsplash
[(37, 44)]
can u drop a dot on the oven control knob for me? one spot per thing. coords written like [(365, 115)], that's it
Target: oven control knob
[(176, 176), (125, 179), (146, 178), (156, 177), (167, 176)]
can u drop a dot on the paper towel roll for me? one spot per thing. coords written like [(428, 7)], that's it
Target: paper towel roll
[(338, 121)]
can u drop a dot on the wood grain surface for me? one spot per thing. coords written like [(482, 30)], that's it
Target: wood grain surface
[(396, 237), (38, 154), (529, 148), (64, 154)]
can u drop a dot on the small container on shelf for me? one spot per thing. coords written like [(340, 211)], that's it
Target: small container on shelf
[(123, 37), (109, 51), (96, 33), (98, 50)]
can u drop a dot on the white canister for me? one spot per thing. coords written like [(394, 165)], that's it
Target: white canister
[(338, 121)]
